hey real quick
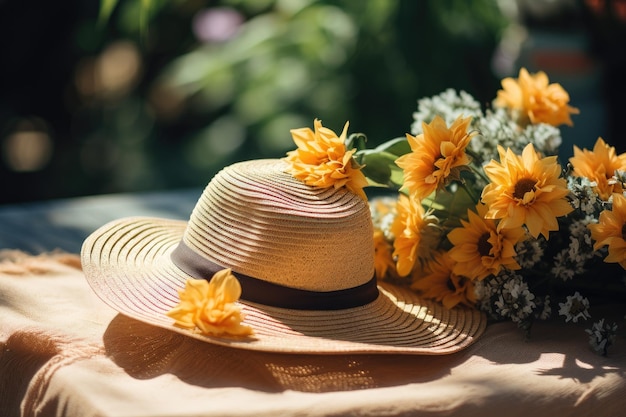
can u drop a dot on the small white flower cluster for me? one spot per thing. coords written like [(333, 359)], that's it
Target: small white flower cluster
[(515, 300), (543, 310), (583, 196), (546, 138), (507, 296), (383, 219), (449, 105), (575, 308), (601, 336), (530, 252), (571, 261), (496, 128)]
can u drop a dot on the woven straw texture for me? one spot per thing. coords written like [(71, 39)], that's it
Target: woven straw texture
[(259, 221)]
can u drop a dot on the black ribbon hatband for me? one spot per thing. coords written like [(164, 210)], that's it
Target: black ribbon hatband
[(276, 295)]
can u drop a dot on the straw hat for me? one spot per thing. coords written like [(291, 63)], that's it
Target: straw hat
[(304, 258)]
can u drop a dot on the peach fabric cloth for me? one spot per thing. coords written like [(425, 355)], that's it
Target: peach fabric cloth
[(64, 353)]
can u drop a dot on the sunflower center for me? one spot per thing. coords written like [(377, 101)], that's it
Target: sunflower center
[(484, 247), (524, 186), (577, 307)]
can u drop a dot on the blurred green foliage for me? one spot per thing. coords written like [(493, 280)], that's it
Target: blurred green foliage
[(194, 105)]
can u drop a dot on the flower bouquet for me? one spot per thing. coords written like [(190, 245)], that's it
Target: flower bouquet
[(481, 213)]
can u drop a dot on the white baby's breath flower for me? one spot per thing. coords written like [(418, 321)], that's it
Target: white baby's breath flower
[(573, 250), (562, 268), (496, 128), (515, 301), (484, 291), (383, 214), (583, 196), (544, 309), (578, 228), (530, 251), (546, 138), (449, 105), (571, 261), (574, 308), (601, 336)]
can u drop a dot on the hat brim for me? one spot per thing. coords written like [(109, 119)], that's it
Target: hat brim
[(127, 264)]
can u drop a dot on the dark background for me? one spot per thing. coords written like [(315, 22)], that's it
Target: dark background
[(163, 98)]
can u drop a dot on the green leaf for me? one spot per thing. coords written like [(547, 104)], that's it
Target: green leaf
[(380, 163), (380, 168), (451, 205), (398, 147), (106, 9), (144, 14), (356, 140)]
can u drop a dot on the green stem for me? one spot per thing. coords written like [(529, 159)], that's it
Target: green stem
[(480, 173), (470, 191)]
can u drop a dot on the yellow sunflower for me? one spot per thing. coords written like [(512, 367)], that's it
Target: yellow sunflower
[(610, 231), (411, 234), (439, 282), (526, 190), (383, 259), (480, 249), (532, 98), (436, 156), (599, 166), (322, 160)]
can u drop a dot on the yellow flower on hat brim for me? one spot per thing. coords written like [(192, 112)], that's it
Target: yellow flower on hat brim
[(210, 306)]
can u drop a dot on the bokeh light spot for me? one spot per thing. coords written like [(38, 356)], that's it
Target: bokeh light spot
[(28, 147), (216, 24)]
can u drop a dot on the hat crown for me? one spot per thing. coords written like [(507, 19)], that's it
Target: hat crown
[(258, 220)]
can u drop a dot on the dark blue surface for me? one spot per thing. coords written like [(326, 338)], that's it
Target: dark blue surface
[(64, 224)]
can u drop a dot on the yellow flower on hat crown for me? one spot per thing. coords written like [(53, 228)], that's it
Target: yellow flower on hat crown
[(210, 306), (322, 159), (533, 99)]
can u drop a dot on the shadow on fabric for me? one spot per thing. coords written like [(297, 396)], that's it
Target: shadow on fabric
[(21, 356), (144, 352)]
